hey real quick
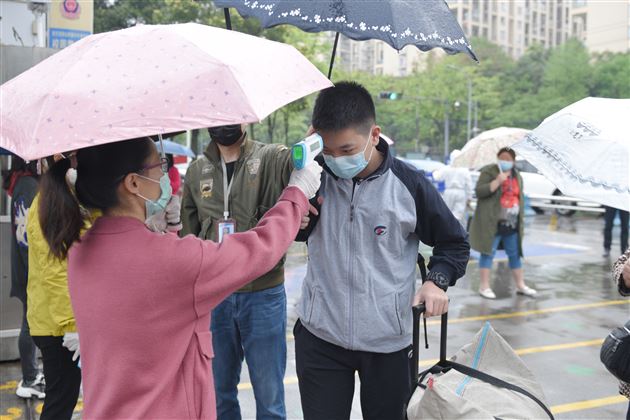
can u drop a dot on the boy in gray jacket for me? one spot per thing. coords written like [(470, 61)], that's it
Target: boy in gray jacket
[(355, 310)]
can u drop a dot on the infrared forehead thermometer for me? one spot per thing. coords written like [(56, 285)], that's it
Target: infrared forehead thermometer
[(305, 151)]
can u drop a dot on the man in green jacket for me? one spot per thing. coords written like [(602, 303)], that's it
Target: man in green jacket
[(228, 190)]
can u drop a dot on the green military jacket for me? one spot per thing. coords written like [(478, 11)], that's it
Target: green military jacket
[(484, 225), (260, 175)]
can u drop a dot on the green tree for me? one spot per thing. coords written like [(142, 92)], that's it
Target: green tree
[(611, 76)]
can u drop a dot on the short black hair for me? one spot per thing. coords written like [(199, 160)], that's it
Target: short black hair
[(345, 105), (508, 150)]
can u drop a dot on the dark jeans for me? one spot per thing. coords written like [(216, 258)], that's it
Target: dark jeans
[(609, 217), (253, 326), (27, 349), (326, 379), (63, 378)]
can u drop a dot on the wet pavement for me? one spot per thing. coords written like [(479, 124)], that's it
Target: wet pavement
[(557, 334)]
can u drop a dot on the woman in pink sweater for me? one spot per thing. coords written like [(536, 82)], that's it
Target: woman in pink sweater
[(142, 300)]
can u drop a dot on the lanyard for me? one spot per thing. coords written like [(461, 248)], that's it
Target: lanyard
[(226, 190)]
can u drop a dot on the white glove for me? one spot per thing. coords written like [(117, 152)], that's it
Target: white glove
[(173, 218), (307, 179), (157, 222), (71, 342)]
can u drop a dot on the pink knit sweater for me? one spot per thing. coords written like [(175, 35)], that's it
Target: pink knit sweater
[(142, 303)]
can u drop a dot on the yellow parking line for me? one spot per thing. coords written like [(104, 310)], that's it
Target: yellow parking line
[(8, 385), (539, 349), (524, 313), (588, 404), (533, 312)]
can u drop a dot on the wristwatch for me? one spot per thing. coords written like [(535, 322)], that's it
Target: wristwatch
[(439, 279)]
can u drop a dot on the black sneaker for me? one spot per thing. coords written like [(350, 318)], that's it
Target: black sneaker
[(606, 253)]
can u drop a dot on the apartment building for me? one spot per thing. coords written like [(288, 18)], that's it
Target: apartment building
[(377, 57), (515, 24), (603, 25)]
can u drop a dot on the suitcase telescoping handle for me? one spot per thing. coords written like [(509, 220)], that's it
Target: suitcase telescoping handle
[(418, 310)]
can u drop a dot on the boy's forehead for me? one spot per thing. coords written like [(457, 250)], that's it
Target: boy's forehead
[(339, 137)]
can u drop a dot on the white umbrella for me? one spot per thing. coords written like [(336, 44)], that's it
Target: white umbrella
[(585, 150), (482, 149)]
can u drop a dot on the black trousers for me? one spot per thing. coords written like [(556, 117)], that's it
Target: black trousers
[(326, 379), (63, 378), (609, 218)]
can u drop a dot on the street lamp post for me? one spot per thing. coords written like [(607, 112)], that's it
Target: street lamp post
[(470, 87), (469, 109), (447, 126)]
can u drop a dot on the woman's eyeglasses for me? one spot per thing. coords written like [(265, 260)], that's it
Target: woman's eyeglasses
[(163, 163)]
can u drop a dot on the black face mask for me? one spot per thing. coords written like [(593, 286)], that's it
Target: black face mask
[(226, 135)]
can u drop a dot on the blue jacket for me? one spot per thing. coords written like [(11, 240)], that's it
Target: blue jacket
[(362, 255)]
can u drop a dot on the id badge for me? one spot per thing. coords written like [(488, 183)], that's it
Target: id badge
[(226, 227)]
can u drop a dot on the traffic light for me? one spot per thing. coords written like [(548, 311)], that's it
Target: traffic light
[(392, 96)]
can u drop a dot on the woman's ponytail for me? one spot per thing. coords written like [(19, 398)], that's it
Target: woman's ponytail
[(60, 215)]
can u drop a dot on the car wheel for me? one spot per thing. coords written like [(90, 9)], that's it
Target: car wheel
[(563, 212)]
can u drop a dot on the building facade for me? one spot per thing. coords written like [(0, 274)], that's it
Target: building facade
[(603, 25), (378, 58), (514, 25)]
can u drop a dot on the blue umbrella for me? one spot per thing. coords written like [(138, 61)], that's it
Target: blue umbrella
[(173, 148), (427, 24)]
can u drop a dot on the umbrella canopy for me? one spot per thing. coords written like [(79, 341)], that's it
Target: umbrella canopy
[(427, 24), (146, 80), (585, 150), (172, 148), (482, 150)]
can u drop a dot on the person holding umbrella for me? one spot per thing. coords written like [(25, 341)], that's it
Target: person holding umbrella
[(142, 300), (499, 218)]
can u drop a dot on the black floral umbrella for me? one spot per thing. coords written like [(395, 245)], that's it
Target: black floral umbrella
[(427, 24)]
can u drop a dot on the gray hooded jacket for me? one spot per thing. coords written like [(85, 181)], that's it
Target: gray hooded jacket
[(363, 250)]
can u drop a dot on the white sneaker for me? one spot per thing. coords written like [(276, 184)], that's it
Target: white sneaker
[(34, 389), (527, 291), (487, 293)]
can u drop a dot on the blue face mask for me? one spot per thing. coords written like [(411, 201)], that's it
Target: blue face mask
[(348, 167), (506, 165), (154, 207)]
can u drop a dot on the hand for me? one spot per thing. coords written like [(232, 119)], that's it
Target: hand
[(308, 179), (625, 274), (311, 210), (157, 222), (502, 177), (434, 299), (173, 210), (71, 342), (310, 131)]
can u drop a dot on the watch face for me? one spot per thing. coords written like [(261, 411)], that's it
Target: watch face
[(439, 279)]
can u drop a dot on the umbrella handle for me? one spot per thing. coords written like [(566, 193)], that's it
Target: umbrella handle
[(228, 20), (332, 58), (161, 146)]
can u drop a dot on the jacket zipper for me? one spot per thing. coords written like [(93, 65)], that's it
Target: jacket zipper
[(355, 193)]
